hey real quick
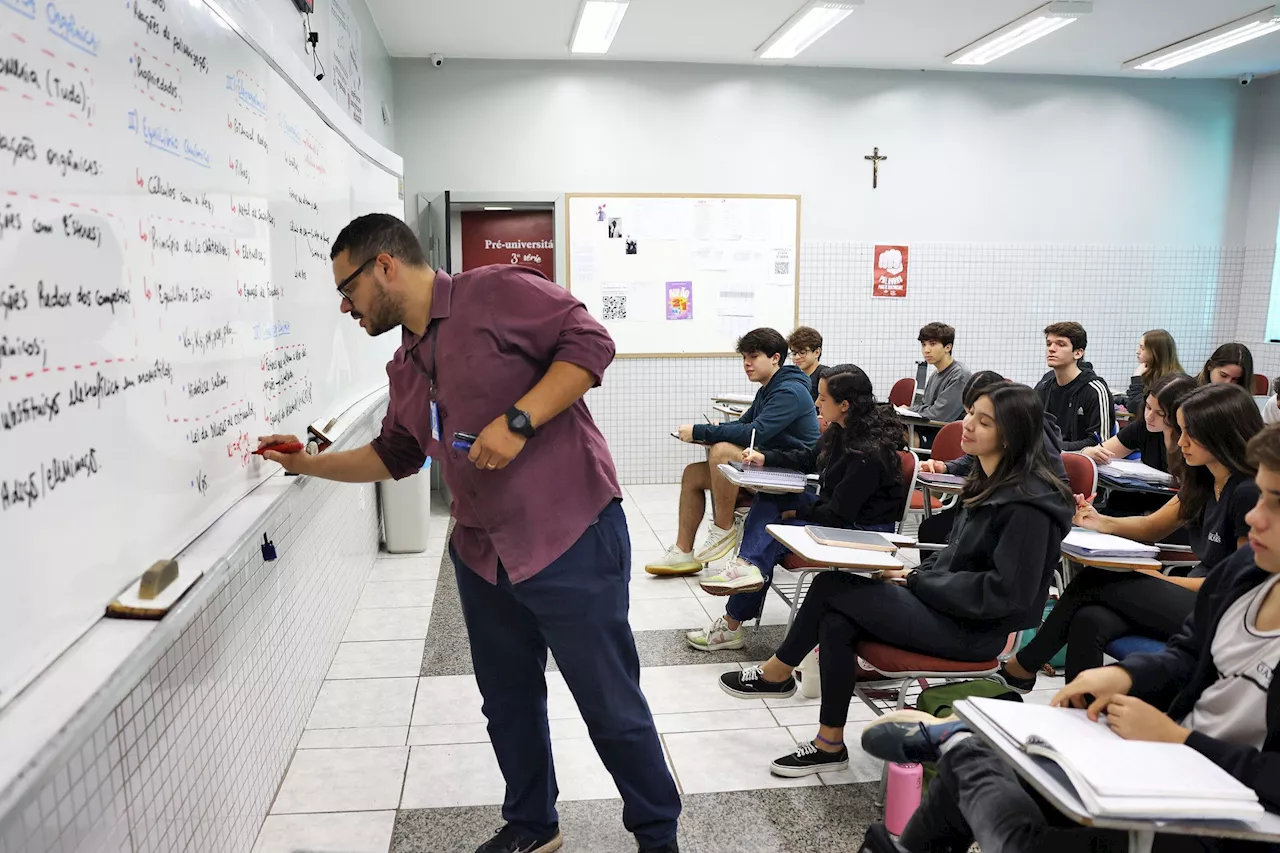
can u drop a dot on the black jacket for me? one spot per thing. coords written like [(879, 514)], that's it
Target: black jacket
[(1174, 678), (818, 372), (1052, 448), (999, 561), (856, 490), (1086, 414)]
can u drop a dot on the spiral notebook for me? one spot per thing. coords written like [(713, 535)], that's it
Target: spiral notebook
[(1115, 777)]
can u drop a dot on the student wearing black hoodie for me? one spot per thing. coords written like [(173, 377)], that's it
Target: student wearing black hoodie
[(1211, 687), (962, 603), (937, 528), (1078, 398), (860, 486), (781, 417)]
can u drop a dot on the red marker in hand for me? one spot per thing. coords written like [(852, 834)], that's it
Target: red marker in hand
[(286, 447)]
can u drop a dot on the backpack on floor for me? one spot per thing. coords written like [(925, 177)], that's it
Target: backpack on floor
[(1058, 661), (939, 700)]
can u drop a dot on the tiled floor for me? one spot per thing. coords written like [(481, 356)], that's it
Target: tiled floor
[(395, 755)]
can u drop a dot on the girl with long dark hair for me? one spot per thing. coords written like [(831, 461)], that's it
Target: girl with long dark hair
[(860, 486), (1216, 491), (1230, 364), (962, 603)]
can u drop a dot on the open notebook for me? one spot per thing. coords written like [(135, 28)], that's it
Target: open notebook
[(1115, 777)]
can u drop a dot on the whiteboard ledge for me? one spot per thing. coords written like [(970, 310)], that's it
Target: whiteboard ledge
[(45, 723)]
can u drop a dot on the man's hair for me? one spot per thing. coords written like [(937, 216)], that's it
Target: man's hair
[(1073, 332), (369, 236), (804, 338), (940, 332), (768, 341), (1264, 448)]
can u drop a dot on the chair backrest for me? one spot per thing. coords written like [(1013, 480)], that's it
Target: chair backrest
[(1261, 385), (1082, 474), (946, 444), (903, 392), (910, 475)]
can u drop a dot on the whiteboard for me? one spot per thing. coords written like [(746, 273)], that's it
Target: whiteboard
[(685, 275), (167, 203)]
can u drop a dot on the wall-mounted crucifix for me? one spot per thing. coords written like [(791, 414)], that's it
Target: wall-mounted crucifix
[(875, 157)]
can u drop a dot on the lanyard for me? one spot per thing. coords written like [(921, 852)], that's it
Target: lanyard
[(432, 333)]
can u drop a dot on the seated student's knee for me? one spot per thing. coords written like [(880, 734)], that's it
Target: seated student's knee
[(724, 452)]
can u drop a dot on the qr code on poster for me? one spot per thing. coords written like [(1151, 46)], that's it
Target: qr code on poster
[(615, 307), (782, 267)]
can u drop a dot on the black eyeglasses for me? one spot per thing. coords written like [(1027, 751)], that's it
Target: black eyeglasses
[(346, 282)]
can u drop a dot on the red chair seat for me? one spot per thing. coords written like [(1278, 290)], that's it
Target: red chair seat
[(796, 563), (745, 499), (917, 501), (893, 661)]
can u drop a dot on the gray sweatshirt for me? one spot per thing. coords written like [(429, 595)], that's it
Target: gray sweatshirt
[(943, 394)]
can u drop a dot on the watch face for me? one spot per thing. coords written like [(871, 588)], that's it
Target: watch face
[(520, 422)]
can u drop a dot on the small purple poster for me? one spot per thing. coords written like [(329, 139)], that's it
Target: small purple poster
[(679, 300)]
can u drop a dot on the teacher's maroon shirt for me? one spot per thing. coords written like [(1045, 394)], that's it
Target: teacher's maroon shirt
[(499, 329)]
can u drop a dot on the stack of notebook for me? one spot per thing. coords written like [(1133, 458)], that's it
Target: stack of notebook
[(1134, 473), (1090, 543), (1115, 777)]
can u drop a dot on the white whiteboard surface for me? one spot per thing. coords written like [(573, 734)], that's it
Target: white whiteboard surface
[(685, 275), (167, 201)]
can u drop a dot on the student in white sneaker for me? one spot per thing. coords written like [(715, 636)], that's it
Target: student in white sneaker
[(861, 486), (782, 417)]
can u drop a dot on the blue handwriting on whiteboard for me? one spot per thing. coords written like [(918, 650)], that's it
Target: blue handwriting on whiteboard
[(66, 28), (270, 331), (160, 137), (289, 130), (22, 7), (196, 153)]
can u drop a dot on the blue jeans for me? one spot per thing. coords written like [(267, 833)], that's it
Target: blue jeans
[(763, 551), (577, 606)]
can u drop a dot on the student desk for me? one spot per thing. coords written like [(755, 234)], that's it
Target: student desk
[(731, 412), (733, 475), (930, 487), (743, 400), (912, 422), (828, 558), (1051, 783)]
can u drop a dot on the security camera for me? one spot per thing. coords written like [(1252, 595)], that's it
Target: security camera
[(437, 60), (1245, 79)]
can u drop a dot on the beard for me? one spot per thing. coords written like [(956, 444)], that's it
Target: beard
[(385, 313)]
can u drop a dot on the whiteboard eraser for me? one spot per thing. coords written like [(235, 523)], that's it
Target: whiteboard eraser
[(155, 579)]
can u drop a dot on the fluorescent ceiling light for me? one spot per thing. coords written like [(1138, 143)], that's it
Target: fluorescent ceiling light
[(1037, 24), (498, 208), (598, 22), (811, 23), (1227, 36)]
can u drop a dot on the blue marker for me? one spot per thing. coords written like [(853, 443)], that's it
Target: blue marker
[(463, 440)]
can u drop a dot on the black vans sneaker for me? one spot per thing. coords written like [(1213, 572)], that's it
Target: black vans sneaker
[(807, 760), (511, 840), (750, 684), (1013, 682)]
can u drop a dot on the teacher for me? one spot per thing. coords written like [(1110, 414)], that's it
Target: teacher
[(540, 543)]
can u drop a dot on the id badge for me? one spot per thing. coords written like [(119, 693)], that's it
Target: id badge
[(435, 421)]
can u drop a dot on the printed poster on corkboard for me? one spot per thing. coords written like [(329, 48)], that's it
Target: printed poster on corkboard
[(889, 276)]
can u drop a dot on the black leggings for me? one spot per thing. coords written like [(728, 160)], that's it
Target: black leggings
[(842, 610), (1099, 606)]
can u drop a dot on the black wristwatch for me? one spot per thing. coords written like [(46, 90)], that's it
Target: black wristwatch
[(519, 423)]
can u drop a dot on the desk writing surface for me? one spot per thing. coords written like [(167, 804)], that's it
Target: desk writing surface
[(798, 540), (1051, 782)]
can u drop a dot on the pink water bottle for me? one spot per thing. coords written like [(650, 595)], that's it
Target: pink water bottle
[(903, 796)]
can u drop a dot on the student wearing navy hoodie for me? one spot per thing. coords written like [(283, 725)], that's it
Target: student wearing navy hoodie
[(1212, 687), (782, 417)]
